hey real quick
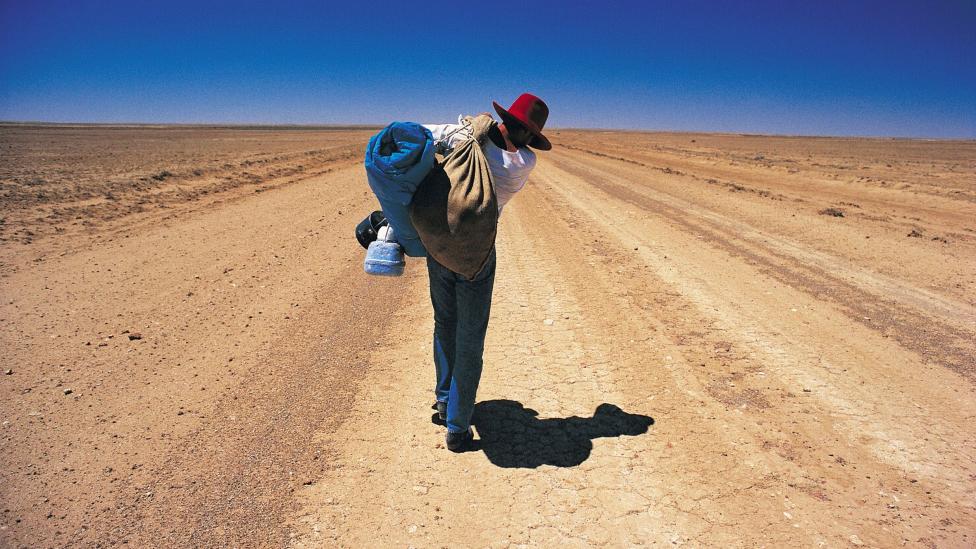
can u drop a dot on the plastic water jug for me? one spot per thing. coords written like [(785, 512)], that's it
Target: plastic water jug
[(384, 257)]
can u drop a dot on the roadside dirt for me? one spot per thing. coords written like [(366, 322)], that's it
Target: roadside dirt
[(683, 349)]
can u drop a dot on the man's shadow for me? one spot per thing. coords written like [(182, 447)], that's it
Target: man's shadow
[(512, 436)]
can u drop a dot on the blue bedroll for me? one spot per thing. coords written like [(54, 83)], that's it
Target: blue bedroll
[(398, 158)]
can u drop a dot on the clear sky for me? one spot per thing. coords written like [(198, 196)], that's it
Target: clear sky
[(821, 67)]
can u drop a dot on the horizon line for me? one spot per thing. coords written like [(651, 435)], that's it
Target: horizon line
[(342, 126)]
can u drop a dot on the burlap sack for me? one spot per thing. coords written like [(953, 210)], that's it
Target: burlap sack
[(454, 209)]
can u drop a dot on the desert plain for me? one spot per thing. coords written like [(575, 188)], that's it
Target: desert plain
[(704, 340)]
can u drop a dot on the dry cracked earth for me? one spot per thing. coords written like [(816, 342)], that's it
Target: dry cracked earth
[(695, 340)]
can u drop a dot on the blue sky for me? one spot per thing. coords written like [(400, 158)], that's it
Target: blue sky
[(814, 68)]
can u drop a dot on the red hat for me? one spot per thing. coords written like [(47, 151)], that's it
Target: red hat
[(531, 112)]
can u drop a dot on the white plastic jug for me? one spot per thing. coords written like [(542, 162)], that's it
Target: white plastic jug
[(384, 257)]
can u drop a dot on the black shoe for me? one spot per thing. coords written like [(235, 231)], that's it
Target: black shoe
[(457, 442), (441, 408)]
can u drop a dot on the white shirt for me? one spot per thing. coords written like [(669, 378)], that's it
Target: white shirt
[(509, 170)]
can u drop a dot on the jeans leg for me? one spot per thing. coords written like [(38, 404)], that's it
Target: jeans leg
[(444, 300), (473, 310)]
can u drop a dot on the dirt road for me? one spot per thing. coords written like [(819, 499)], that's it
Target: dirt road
[(695, 339)]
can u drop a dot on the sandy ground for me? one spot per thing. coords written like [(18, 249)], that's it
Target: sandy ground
[(701, 340)]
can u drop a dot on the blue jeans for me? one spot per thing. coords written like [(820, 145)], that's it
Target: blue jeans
[(461, 311)]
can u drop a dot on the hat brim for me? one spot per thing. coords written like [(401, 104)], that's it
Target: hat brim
[(538, 140)]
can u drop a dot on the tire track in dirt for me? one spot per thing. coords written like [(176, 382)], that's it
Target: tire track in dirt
[(420, 493), (171, 201), (942, 195), (752, 354), (250, 318), (229, 483), (865, 297), (873, 237), (664, 189), (739, 454)]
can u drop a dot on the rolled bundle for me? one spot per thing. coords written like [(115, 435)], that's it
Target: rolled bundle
[(397, 160)]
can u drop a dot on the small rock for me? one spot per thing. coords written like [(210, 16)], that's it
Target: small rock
[(548, 322), (8, 372), (915, 233), (68, 391), (135, 335), (856, 540)]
